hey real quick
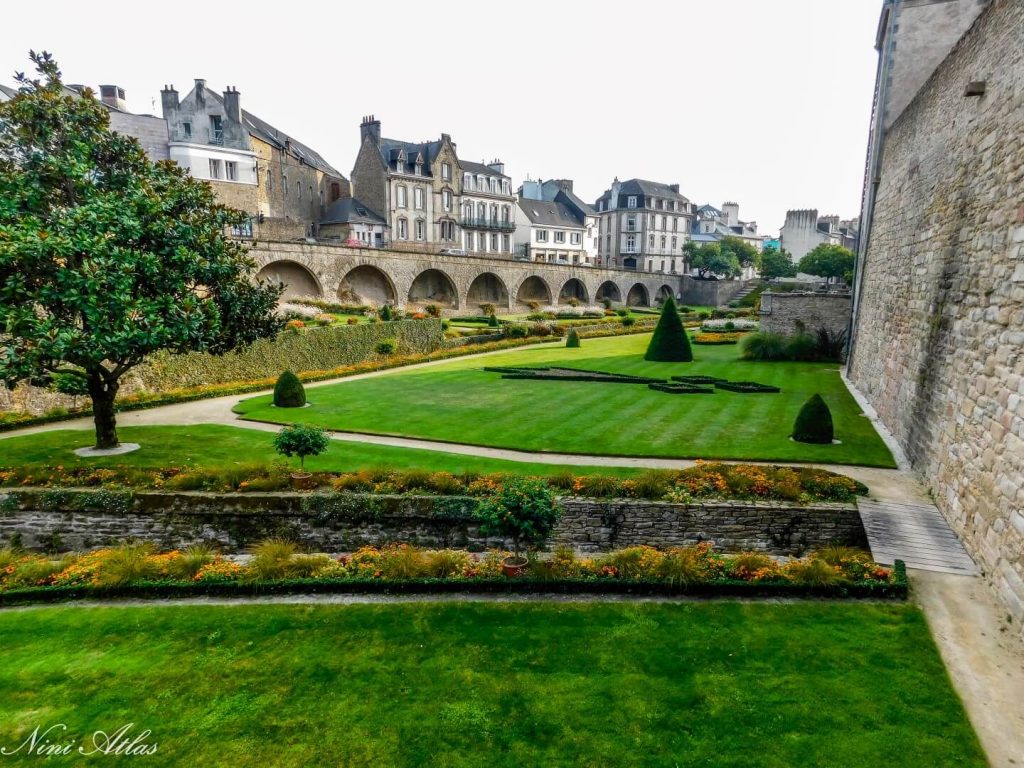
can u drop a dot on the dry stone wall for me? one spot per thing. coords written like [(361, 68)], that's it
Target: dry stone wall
[(60, 520), (939, 337), (787, 312)]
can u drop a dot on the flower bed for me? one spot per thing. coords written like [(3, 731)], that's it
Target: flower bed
[(717, 338), (277, 567)]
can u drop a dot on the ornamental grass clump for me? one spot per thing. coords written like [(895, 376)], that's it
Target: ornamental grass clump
[(814, 423), (764, 346), (670, 342), (191, 561), (288, 391)]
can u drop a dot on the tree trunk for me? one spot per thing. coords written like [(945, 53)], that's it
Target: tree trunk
[(103, 393)]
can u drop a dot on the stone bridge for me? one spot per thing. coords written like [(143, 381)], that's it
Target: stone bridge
[(375, 277)]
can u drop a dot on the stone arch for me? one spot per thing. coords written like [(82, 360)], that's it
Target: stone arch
[(487, 288), (638, 296), (574, 289), (534, 288), (432, 286), (608, 290), (663, 293), (366, 284), (297, 280)]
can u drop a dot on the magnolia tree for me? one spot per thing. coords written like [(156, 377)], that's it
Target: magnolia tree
[(106, 257)]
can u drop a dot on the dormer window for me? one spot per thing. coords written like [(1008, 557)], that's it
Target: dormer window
[(187, 129), (216, 130), (631, 201), (446, 171), (467, 181)]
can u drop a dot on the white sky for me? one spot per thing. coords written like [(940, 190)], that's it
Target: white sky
[(765, 102)]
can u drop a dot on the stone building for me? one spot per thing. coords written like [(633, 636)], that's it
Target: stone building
[(643, 225), (554, 225), (805, 230), (285, 185), (938, 329)]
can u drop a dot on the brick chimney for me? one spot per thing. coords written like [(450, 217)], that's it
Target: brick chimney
[(232, 104), (370, 127), (168, 101), (497, 165), (113, 96), (674, 188)]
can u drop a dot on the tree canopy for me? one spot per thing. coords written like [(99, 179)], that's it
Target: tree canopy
[(776, 263), (828, 260), (709, 259), (106, 257)]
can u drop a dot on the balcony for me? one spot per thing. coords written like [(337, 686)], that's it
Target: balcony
[(490, 224)]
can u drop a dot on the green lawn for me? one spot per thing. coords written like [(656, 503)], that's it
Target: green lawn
[(213, 445), (475, 684), (460, 402)]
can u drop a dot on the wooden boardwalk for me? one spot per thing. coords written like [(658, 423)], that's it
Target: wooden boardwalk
[(917, 534)]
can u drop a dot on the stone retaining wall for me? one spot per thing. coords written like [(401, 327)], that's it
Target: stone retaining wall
[(786, 312), (62, 520)]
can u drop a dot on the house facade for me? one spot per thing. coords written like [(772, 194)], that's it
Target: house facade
[(643, 225), (488, 209), (283, 184), (805, 230), (554, 225)]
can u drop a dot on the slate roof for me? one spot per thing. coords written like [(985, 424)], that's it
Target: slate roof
[(350, 211), (482, 169), (389, 149), (645, 188), (7, 92), (278, 138), (550, 214), (587, 208)]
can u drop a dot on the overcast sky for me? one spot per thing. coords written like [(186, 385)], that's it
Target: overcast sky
[(764, 103)]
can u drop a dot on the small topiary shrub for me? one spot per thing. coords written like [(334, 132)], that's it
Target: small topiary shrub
[(517, 331), (301, 440), (814, 423), (387, 347), (628, 321), (492, 321), (524, 509), (572, 339), (288, 391), (670, 343)]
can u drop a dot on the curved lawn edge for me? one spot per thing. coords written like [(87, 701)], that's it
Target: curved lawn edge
[(527, 454), (897, 589)]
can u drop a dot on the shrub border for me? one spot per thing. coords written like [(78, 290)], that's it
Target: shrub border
[(897, 589)]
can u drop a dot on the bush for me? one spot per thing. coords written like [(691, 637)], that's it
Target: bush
[(386, 313), (324, 319), (433, 310), (492, 321), (540, 329), (294, 325), (386, 347), (301, 440), (572, 339), (831, 345), (533, 305), (352, 321), (764, 346), (517, 331), (288, 391), (801, 346), (622, 312), (628, 321), (606, 303), (523, 509), (670, 343), (814, 423), (487, 310)]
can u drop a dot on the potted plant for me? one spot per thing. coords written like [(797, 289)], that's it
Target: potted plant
[(302, 440), (522, 509)]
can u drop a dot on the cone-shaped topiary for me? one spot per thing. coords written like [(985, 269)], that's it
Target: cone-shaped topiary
[(572, 339), (288, 391), (669, 344), (492, 321), (814, 423)]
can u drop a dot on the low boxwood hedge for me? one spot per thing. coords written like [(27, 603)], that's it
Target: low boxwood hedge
[(682, 389), (746, 386)]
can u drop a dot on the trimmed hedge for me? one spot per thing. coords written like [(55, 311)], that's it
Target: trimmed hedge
[(314, 349), (557, 373), (814, 423), (698, 379), (682, 389), (670, 342), (745, 386), (289, 392)]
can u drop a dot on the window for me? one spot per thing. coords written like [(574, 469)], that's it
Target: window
[(664, 242), (421, 229), (447, 230), (658, 204), (403, 196), (187, 129), (214, 169), (446, 199), (506, 213), (662, 265), (481, 211), (298, 189), (231, 170), (631, 201), (216, 130), (494, 213), (675, 240), (242, 230), (650, 241), (506, 244), (494, 241), (467, 181), (403, 229), (575, 238), (469, 240), (270, 181), (419, 167), (630, 243), (675, 223), (664, 222), (542, 235), (446, 171), (469, 211), (653, 221), (417, 198), (494, 186), (631, 223), (284, 184), (559, 237), (335, 191)]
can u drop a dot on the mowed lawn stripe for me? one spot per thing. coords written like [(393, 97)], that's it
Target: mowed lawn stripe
[(460, 402)]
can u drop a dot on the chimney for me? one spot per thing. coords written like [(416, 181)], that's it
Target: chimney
[(497, 165), (565, 184), (731, 212), (370, 128), (200, 92), (613, 200), (674, 188), (113, 96), (168, 101), (232, 104)]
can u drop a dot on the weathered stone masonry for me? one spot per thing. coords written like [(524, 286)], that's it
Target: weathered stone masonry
[(344, 522), (939, 336), (787, 312)]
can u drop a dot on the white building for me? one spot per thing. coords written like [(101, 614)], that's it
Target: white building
[(554, 225), (488, 209), (644, 226)]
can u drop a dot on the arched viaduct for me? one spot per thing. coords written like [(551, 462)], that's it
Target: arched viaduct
[(375, 277)]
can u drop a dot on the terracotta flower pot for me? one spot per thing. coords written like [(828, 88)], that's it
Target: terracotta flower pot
[(514, 566), (303, 481)]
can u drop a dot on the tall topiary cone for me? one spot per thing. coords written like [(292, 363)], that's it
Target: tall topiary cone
[(814, 423), (288, 391), (572, 339), (669, 344)]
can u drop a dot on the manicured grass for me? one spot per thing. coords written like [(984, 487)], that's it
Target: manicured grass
[(473, 684), (214, 445), (460, 402)]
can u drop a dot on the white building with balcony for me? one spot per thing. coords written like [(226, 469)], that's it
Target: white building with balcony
[(643, 225), (488, 209)]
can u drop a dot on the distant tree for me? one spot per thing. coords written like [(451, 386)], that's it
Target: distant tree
[(775, 263), (828, 260), (708, 259), (106, 257), (746, 254)]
